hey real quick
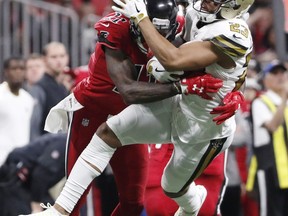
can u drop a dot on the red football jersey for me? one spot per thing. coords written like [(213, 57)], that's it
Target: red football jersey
[(113, 31), (99, 96)]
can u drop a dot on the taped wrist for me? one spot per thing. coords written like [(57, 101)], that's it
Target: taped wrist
[(137, 18)]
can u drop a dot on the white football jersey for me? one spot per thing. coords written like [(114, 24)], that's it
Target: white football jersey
[(233, 37)]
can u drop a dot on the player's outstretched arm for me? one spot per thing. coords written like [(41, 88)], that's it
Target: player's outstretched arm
[(189, 56)]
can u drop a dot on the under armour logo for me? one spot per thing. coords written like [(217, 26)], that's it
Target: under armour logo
[(196, 88)]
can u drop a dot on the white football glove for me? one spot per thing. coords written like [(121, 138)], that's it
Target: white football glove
[(155, 68), (134, 9)]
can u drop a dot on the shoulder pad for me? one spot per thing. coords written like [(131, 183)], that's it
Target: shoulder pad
[(233, 37)]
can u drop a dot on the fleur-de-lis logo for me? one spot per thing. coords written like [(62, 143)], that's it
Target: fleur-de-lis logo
[(196, 88)]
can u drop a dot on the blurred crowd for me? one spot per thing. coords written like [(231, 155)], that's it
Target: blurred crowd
[(83, 7), (32, 161)]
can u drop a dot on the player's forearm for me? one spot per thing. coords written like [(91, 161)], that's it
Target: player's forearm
[(189, 56), (142, 92), (162, 48)]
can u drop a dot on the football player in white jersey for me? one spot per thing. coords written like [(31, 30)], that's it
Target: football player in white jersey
[(221, 44)]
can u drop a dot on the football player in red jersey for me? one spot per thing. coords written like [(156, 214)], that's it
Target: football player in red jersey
[(116, 66), (118, 77)]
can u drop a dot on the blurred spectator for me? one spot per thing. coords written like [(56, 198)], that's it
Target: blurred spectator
[(84, 8), (16, 107), (270, 53), (270, 118), (100, 7), (254, 68), (35, 68), (236, 201), (29, 173), (49, 90), (86, 11), (260, 20), (241, 155), (231, 204), (74, 76), (66, 3), (67, 79), (252, 90)]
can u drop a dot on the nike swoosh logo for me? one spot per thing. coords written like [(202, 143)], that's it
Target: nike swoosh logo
[(234, 35), (105, 25), (157, 70), (136, 8)]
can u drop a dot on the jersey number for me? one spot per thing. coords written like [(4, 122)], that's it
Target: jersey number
[(116, 18), (236, 27)]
